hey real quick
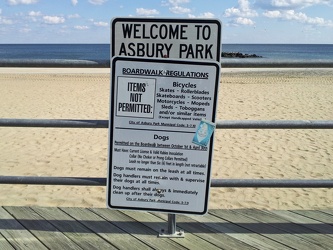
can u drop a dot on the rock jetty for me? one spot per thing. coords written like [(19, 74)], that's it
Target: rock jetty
[(239, 55)]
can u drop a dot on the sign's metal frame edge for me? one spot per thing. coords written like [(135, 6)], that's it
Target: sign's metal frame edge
[(110, 149)]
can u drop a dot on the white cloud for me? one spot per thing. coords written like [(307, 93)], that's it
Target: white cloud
[(53, 19), (290, 4), (101, 24), (5, 21), (146, 12), (175, 6), (177, 2), (291, 15), (243, 10), (285, 10), (35, 13), (74, 2), (97, 2), (286, 15), (174, 2), (78, 27), (272, 14), (16, 2), (206, 15), (243, 21), (202, 15), (179, 10), (232, 12), (240, 14), (74, 16)]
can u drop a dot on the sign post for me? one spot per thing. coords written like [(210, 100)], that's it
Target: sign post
[(160, 149), (162, 114)]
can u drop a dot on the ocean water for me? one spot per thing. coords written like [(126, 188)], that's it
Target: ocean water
[(101, 52), (94, 52), (272, 52)]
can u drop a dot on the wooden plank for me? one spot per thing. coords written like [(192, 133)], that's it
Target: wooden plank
[(266, 230), (327, 211), (317, 215), (238, 232), (263, 229), (105, 229), (138, 230), (4, 244), (16, 234), (205, 232), (315, 225), (73, 229), (41, 229), (294, 229), (190, 241)]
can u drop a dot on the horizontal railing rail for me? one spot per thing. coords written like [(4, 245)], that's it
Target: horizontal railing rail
[(222, 124), (54, 123), (231, 183), (225, 63)]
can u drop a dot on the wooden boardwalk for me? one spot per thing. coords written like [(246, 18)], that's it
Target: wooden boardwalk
[(90, 228)]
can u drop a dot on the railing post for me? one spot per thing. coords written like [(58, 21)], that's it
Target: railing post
[(172, 229)]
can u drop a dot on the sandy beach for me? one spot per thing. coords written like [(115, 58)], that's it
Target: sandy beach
[(244, 94)]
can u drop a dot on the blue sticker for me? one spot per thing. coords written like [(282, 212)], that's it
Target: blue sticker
[(203, 133)]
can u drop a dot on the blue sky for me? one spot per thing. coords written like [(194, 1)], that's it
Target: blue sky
[(244, 21)]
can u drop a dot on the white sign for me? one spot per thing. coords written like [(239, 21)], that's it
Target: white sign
[(166, 38), (156, 159)]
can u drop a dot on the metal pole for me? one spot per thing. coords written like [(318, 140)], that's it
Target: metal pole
[(172, 229), (52, 180), (54, 123), (235, 183), (171, 223), (274, 124), (221, 124), (272, 183)]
